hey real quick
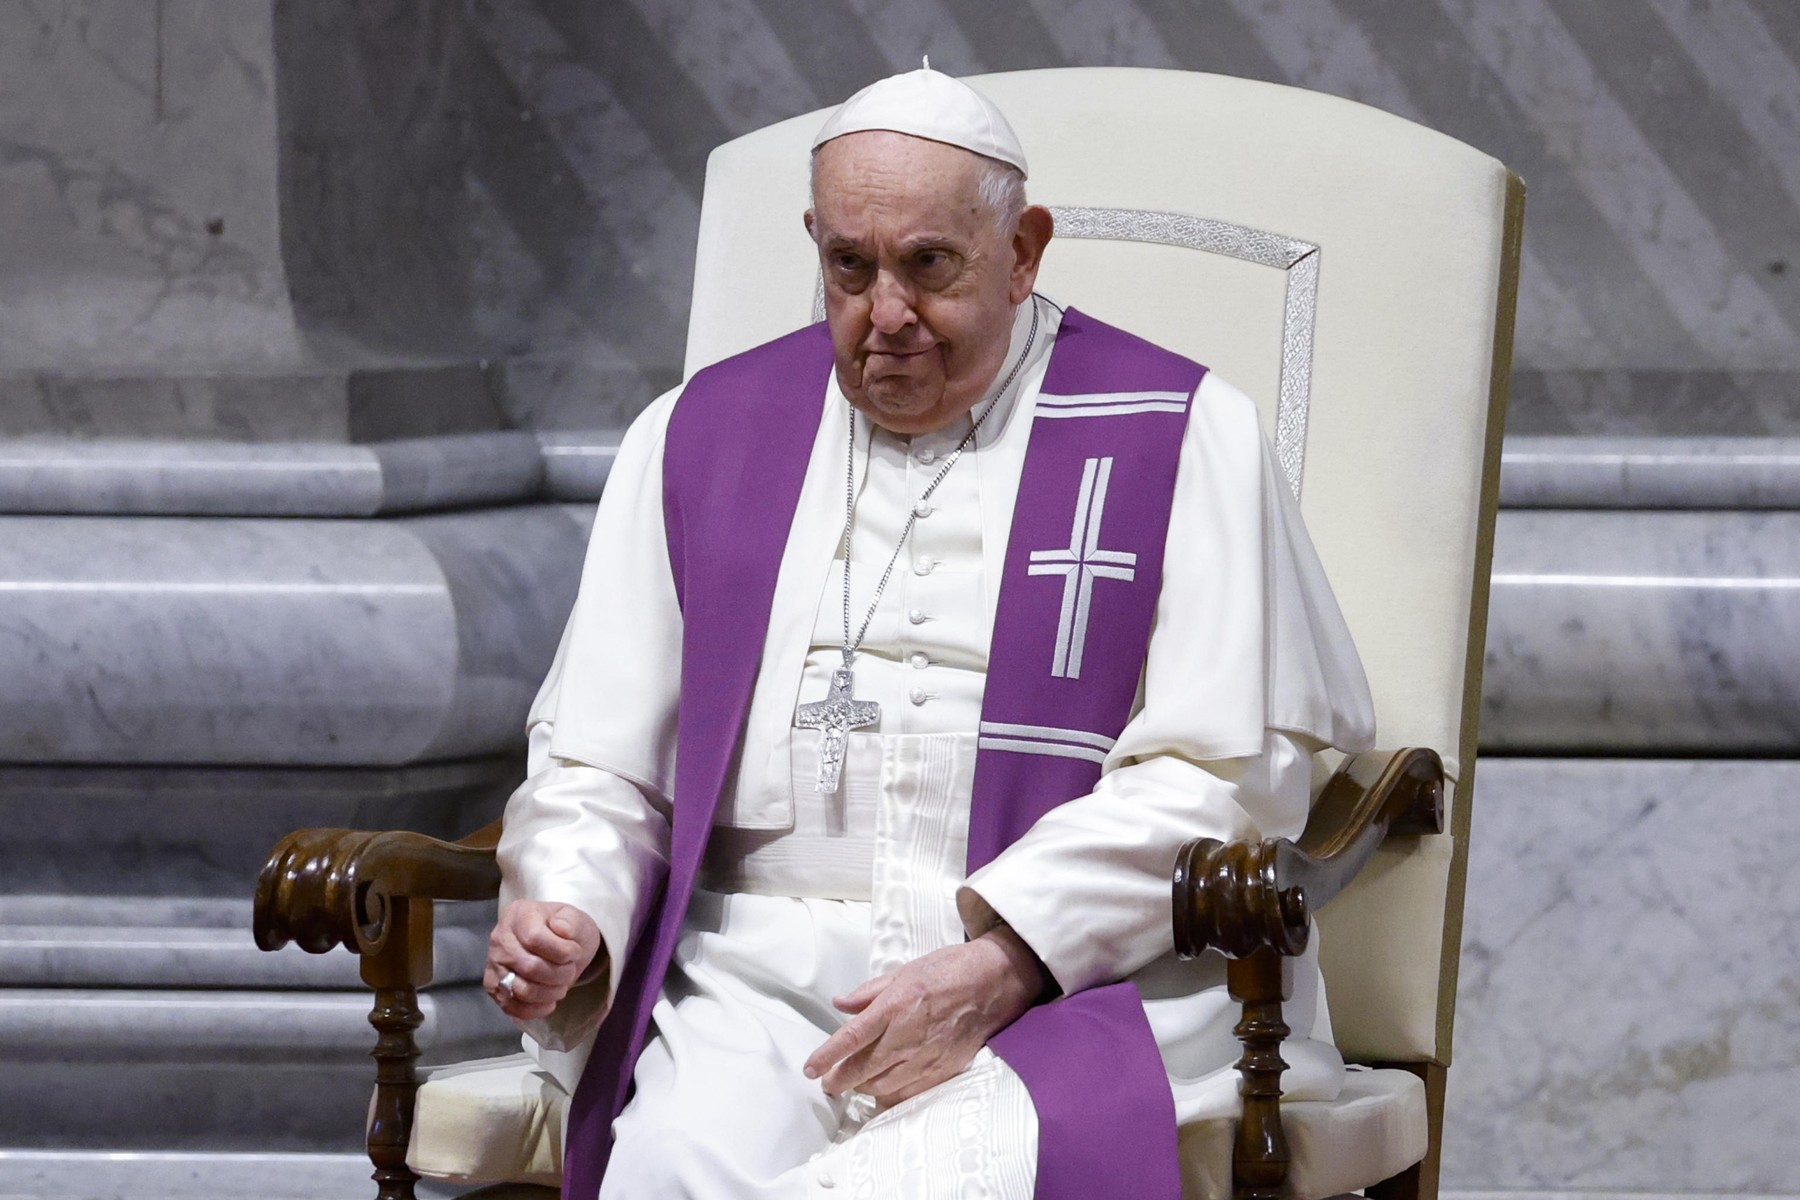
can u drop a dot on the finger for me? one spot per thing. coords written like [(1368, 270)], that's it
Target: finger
[(552, 947), (853, 1036), (901, 1081), (522, 1010), (507, 953), (515, 995), (532, 969), (573, 924), (861, 996), (856, 1070)]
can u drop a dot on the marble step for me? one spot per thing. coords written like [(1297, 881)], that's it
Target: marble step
[(279, 642), (283, 479), (205, 832), (212, 1070), (193, 1175), (307, 404), (1644, 633), (160, 943), (302, 479), (1650, 472)]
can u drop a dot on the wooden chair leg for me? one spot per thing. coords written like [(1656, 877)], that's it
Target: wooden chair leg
[(397, 971), (1259, 1160), (1419, 1181)]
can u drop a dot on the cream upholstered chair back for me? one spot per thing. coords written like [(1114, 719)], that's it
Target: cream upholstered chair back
[(1345, 267)]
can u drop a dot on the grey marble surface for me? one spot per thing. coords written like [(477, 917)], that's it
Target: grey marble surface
[(577, 462), (1644, 632), (203, 833), (1626, 1017), (360, 402), (192, 1026), (140, 218), (160, 943), (289, 479), (191, 1175), (174, 640), (1651, 472), (215, 1069), (1628, 402)]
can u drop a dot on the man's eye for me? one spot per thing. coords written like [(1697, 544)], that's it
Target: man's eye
[(847, 263)]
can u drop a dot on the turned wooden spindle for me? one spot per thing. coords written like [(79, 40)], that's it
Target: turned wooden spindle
[(1260, 982), (396, 970)]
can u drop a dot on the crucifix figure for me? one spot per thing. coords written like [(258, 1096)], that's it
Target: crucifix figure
[(834, 717), (1080, 565)]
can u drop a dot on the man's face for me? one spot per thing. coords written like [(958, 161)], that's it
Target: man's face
[(920, 285)]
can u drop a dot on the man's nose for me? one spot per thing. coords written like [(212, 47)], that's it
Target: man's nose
[(892, 305)]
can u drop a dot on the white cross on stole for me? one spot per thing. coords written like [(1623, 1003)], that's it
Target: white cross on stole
[(1080, 565)]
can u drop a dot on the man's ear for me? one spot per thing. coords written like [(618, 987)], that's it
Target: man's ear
[(1036, 227), (808, 220)]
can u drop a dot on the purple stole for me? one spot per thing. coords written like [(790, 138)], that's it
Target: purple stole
[(1078, 593)]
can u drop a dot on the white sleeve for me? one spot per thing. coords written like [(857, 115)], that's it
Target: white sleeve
[(1249, 670), (589, 827)]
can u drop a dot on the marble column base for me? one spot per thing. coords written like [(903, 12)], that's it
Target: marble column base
[(323, 404), (1627, 1017), (1644, 633), (1650, 472), (296, 642)]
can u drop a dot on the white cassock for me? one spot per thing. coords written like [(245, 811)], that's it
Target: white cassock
[(804, 896)]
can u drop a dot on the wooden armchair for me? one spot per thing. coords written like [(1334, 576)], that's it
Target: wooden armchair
[(372, 894), (1356, 274)]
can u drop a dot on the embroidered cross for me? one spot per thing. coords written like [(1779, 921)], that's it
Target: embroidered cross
[(1080, 565)]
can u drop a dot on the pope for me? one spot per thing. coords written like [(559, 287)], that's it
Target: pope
[(909, 649)]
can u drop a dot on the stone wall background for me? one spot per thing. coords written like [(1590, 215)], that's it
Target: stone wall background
[(253, 183)]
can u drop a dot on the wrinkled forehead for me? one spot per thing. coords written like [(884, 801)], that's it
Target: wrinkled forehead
[(879, 174)]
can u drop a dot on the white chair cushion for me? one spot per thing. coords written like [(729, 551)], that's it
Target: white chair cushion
[(1375, 1129), (491, 1120), (501, 1120)]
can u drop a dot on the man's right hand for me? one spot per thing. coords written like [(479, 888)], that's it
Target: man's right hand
[(545, 948)]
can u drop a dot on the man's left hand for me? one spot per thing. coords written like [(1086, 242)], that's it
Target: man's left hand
[(920, 1025)]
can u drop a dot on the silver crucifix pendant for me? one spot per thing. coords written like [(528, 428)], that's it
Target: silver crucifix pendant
[(834, 717)]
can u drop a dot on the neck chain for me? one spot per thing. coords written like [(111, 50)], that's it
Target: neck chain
[(840, 711), (851, 645)]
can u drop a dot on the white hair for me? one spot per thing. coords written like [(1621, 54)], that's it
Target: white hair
[(1000, 188)]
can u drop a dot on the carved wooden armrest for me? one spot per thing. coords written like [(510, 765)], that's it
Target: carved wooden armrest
[(323, 888), (1236, 897), (1253, 902), (336, 887)]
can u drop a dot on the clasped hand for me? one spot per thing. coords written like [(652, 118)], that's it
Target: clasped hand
[(546, 948), (921, 1024)]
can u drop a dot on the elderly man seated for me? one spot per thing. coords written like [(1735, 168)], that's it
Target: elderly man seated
[(909, 649)]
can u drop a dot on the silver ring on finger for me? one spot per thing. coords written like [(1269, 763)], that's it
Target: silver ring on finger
[(506, 982)]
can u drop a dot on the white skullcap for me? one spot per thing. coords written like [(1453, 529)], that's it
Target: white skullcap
[(928, 104)]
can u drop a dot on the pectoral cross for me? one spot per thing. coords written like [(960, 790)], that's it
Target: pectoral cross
[(834, 717)]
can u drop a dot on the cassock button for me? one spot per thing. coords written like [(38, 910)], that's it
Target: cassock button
[(916, 616), (926, 454), (922, 566), (917, 696), (921, 508), (826, 1179), (919, 661)]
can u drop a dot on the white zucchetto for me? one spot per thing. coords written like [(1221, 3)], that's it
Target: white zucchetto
[(928, 104)]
